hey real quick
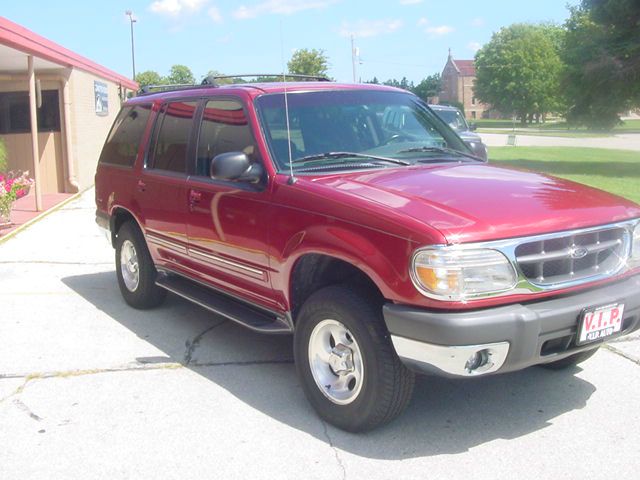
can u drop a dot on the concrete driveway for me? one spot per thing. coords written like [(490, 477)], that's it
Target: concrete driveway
[(91, 389)]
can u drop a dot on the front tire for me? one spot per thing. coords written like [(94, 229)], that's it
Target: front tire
[(345, 361), (570, 361), (135, 269)]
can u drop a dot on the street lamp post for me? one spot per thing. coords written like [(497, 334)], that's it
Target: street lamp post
[(132, 20)]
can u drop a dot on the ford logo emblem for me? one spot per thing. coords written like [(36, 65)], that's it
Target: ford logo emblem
[(578, 252)]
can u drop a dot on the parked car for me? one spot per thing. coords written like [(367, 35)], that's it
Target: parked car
[(455, 119), (385, 248)]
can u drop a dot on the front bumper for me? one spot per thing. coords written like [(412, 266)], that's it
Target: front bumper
[(511, 337)]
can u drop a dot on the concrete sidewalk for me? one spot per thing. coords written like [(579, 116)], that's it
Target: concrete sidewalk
[(90, 388), (626, 141)]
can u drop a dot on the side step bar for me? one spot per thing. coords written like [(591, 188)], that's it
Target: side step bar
[(225, 306)]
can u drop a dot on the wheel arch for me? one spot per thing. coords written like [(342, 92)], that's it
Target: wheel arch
[(312, 271), (119, 216)]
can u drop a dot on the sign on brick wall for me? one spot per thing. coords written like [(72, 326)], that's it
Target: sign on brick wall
[(101, 95)]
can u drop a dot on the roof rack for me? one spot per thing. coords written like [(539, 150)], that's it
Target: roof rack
[(149, 89), (210, 82), (211, 79)]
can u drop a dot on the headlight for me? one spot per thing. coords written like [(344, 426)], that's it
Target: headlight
[(635, 243), (452, 273)]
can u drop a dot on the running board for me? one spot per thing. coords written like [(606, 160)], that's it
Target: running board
[(224, 305)]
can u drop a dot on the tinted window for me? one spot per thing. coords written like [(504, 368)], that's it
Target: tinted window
[(171, 137), (224, 129), (15, 116), (123, 141)]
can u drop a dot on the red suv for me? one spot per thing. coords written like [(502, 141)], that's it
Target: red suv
[(294, 208)]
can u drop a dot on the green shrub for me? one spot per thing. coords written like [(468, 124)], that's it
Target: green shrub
[(3, 156)]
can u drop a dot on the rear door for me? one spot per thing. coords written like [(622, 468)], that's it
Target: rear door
[(161, 190), (227, 221)]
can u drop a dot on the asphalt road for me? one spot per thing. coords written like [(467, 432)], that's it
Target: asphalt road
[(92, 389)]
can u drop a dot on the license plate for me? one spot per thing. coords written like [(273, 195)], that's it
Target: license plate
[(599, 323)]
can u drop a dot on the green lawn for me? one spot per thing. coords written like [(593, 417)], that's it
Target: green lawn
[(617, 171), (628, 126)]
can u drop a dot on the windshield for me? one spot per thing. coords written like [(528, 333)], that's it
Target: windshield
[(326, 126), (453, 118)]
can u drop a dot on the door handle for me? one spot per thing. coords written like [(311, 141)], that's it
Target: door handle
[(194, 198), (141, 186)]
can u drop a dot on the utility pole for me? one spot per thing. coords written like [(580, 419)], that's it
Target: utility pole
[(353, 57), (132, 20)]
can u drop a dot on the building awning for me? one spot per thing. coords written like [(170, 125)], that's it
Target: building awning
[(17, 41)]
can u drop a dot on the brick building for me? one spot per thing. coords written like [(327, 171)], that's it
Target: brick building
[(458, 79), (56, 108)]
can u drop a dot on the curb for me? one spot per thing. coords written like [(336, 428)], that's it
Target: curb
[(42, 215)]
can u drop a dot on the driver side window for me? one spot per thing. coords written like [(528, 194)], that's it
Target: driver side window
[(224, 128)]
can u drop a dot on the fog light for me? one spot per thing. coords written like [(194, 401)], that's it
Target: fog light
[(477, 360)]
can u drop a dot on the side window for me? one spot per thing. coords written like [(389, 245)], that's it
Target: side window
[(122, 143), (171, 137), (224, 129)]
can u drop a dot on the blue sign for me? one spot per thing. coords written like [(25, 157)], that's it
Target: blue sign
[(101, 95)]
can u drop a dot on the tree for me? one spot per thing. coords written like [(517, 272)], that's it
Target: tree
[(180, 74), (519, 70), (309, 62), (602, 56), (149, 77), (428, 87)]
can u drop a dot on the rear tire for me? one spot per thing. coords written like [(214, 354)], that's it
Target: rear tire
[(340, 330), (135, 269), (570, 361)]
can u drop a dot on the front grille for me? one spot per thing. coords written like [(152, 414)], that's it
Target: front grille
[(569, 258)]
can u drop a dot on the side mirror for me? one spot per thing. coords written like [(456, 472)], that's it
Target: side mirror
[(473, 127), (479, 149), (235, 166)]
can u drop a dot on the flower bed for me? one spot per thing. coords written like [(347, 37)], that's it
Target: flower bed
[(13, 185)]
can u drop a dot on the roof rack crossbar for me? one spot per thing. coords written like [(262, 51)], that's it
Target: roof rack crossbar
[(211, 80)]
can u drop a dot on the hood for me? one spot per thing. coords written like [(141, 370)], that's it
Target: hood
[(478, 202)]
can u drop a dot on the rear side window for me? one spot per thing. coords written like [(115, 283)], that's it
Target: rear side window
[(124, 138), (224, 129), (171, 137)]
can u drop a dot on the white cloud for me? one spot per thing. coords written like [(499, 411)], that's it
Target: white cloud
[(369, 28), (410, 2), (423, 22), (474, 46), (279, 7), (214, 14), (174, 8), (440, 30), (477, 22)]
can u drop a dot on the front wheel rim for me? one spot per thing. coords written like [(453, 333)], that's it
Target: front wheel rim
[(129, 266), (336, 362)]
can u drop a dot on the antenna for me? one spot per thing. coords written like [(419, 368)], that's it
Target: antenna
[(292, 179)]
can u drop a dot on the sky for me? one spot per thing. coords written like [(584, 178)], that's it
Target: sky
[(394, 38)]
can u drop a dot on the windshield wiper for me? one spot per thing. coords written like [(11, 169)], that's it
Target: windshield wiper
[(332, 155), (440, 150)]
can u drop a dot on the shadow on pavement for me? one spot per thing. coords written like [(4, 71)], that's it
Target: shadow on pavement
[(445, 417)]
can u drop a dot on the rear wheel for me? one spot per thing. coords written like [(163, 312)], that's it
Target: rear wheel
[(570, 361), (346, 363), (135, 270)]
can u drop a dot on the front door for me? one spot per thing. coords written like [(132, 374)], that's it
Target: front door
[(227, 221)]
